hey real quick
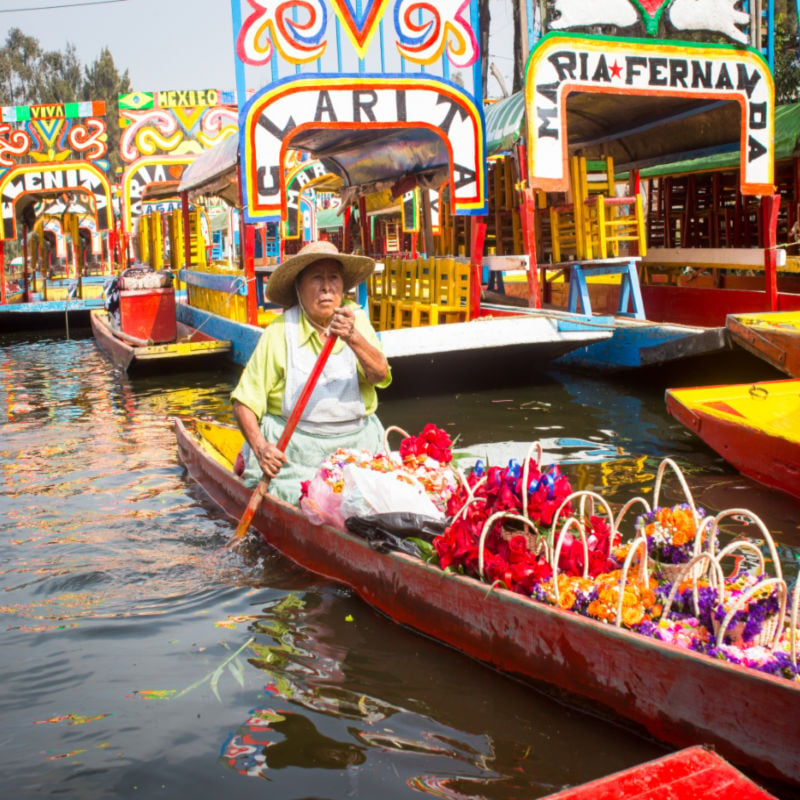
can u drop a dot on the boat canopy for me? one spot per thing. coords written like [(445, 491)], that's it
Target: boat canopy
[(215, 171), (645, 132), (371, 160), (787, 146), (505, 123)]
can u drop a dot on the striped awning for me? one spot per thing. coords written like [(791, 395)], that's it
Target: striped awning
[(504, 123)]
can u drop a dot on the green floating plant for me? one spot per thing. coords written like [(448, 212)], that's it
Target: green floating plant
[(233, 664)]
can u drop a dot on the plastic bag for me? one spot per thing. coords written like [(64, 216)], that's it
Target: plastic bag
[(321, 504), (369, 492), (392, 531)]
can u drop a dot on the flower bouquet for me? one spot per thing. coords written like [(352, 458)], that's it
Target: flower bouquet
[(357, 483), (674, 535), (751, 613)]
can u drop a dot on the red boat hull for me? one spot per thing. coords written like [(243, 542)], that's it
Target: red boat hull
[(677, 696), (686, 775)]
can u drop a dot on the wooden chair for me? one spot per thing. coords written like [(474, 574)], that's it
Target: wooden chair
[(376, 291), (608, 219), (404, 290), (612, 220), (391, 278), (595, 177), (408, 311), (451, 293), (566, 219)]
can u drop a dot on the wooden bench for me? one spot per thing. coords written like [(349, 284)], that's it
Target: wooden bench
[(497, 265), (714, 258)]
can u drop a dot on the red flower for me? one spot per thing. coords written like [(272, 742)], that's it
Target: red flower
[(431, 443)]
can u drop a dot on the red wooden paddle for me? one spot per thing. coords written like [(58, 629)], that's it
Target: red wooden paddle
[(291, 424)]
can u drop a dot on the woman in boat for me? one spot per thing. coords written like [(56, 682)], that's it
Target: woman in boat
[(341, 411)]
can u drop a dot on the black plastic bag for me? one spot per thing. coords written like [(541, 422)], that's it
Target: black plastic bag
[(394, 530)]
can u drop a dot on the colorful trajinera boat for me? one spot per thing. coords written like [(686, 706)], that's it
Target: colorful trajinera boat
[(548, 631), (755, 427), (191, 348), (773, 336)]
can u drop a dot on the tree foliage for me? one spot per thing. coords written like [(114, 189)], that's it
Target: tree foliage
[(787, 62), (30, 75)]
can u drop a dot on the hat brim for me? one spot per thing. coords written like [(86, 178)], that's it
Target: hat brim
[(280, 286)]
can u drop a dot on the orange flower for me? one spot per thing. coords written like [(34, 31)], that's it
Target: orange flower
[(648, 597), (566, 599), (632, 615)]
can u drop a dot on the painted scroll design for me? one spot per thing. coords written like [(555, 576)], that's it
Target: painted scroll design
[(174, 130), (53, 141), (426, 31), (718, 16), (13, 142), (297, 29)]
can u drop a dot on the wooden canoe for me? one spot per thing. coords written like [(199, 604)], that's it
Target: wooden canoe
[(686, 775), (678, 696), (755, 427), (192, 348), (773, 336)]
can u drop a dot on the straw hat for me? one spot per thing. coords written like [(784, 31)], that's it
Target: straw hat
[(280, 286)]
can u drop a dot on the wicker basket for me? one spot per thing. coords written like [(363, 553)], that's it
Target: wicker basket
[(675, 573), (771, 630)]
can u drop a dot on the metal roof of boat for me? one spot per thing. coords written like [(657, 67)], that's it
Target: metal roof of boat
[(215, 171)]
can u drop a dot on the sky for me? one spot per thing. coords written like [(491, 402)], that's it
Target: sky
[(174, 44)]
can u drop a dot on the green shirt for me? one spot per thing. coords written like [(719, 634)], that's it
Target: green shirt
[(263, 379)]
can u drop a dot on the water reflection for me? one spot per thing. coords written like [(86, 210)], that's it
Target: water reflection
[(352, 690)]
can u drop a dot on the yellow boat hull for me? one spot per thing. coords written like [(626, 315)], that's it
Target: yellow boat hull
[(755, 427)]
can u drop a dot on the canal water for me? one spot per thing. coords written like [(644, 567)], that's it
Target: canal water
[(141, 658)]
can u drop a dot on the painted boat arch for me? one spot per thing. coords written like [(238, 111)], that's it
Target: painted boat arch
[(25, 184), (434, 126), (147, 172), (698, 74)]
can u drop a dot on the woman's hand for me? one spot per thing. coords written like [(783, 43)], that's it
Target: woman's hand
[(269, 458), (343, 323)]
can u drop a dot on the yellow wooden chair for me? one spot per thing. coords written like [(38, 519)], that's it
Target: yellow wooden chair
[(608, 220), (451, 293), (615, 220), (567, 223), (401, 304), (409, 310), (391, 280), (376, 291)]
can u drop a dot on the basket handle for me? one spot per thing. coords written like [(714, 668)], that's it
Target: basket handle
[(731, 548), (487, 526), (758, 522), (639, 543), (392, 429), (630, 504), (556, 551), (715, 576), (526, 471), (780, 585), (470, 497), (585, 495), (668, 462)]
